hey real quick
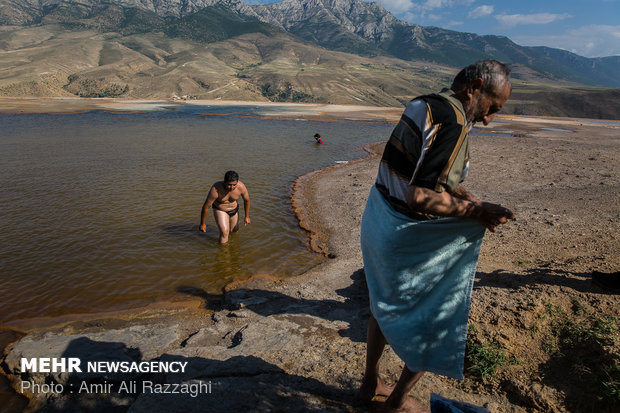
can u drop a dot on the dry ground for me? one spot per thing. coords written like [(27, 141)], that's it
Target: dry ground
[(536, 318)]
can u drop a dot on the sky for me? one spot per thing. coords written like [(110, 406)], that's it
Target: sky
[(588, 28)]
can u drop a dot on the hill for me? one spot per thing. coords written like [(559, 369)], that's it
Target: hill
[(368, 28), (330, 51)]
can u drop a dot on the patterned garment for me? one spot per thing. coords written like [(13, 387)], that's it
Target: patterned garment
[(428, 148), (420, 268), (420, 275)]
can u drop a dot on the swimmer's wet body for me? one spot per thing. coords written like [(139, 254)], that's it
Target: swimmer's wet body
[(231, 213), (224, 197)]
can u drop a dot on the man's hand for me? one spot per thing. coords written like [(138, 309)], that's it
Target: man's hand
[(247, 221), (203, 227), (443, 204), (493, 215)]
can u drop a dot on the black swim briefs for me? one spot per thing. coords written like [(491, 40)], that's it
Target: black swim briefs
[(230, 213)]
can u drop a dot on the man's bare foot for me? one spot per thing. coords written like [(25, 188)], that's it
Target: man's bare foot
[(369, 390), (409, 405)]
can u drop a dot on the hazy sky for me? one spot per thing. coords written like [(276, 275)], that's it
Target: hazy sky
[(589, 28)]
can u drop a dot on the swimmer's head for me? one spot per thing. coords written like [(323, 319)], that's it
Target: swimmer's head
[(231, 176), (231, 179)]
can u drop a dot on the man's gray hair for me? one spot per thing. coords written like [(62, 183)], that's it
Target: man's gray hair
[(494, 74)]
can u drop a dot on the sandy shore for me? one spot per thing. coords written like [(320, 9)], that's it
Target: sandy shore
[(298, 344), (323, 112)]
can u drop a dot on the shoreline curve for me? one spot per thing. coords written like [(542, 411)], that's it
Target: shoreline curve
[(300, 198)]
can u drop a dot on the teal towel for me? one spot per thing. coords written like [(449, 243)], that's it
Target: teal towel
[(420, 275), (441, 404)]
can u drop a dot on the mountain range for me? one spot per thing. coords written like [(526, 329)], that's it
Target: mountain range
[(349, 44)]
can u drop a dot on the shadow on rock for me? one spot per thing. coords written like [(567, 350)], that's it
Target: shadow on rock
[(240, 383), (353, 310), (95, 388)]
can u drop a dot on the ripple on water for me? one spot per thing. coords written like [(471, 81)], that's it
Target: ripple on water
[(101, 211)]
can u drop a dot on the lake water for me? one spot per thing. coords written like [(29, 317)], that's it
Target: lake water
[(100, 211)]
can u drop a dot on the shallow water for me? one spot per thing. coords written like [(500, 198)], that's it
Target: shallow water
[(557, 130), (101, 211)]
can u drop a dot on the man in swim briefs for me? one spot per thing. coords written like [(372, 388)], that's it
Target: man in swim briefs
[(224, 196)]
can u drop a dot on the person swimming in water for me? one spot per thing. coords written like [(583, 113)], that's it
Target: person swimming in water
[(224, 196), (318, 138)]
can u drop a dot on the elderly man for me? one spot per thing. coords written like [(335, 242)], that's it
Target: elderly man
[(421, 234), (224, 196)]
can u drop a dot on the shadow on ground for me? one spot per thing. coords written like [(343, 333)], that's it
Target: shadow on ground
[(353, 310), (581, 282), (241, 383)]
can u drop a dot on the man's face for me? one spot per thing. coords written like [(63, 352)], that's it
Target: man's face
[(230, 185), (484, 105)]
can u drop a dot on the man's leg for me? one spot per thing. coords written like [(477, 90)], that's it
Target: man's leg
[(399, 400), (223, 223), (234, 223), (371, 383)]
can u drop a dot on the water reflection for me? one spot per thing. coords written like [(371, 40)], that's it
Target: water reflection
[(228, 257)]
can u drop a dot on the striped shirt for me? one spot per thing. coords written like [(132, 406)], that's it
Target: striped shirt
[(428, 148)]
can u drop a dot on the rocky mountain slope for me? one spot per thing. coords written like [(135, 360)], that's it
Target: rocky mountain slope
[(328, 22), (352, 26), (327, 51)]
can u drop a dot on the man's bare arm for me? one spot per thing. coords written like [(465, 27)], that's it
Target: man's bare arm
[(211, 197), (444, 204), (246, 205)]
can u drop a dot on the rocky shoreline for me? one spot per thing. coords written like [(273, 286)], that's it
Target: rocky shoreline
[(299, 344)]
